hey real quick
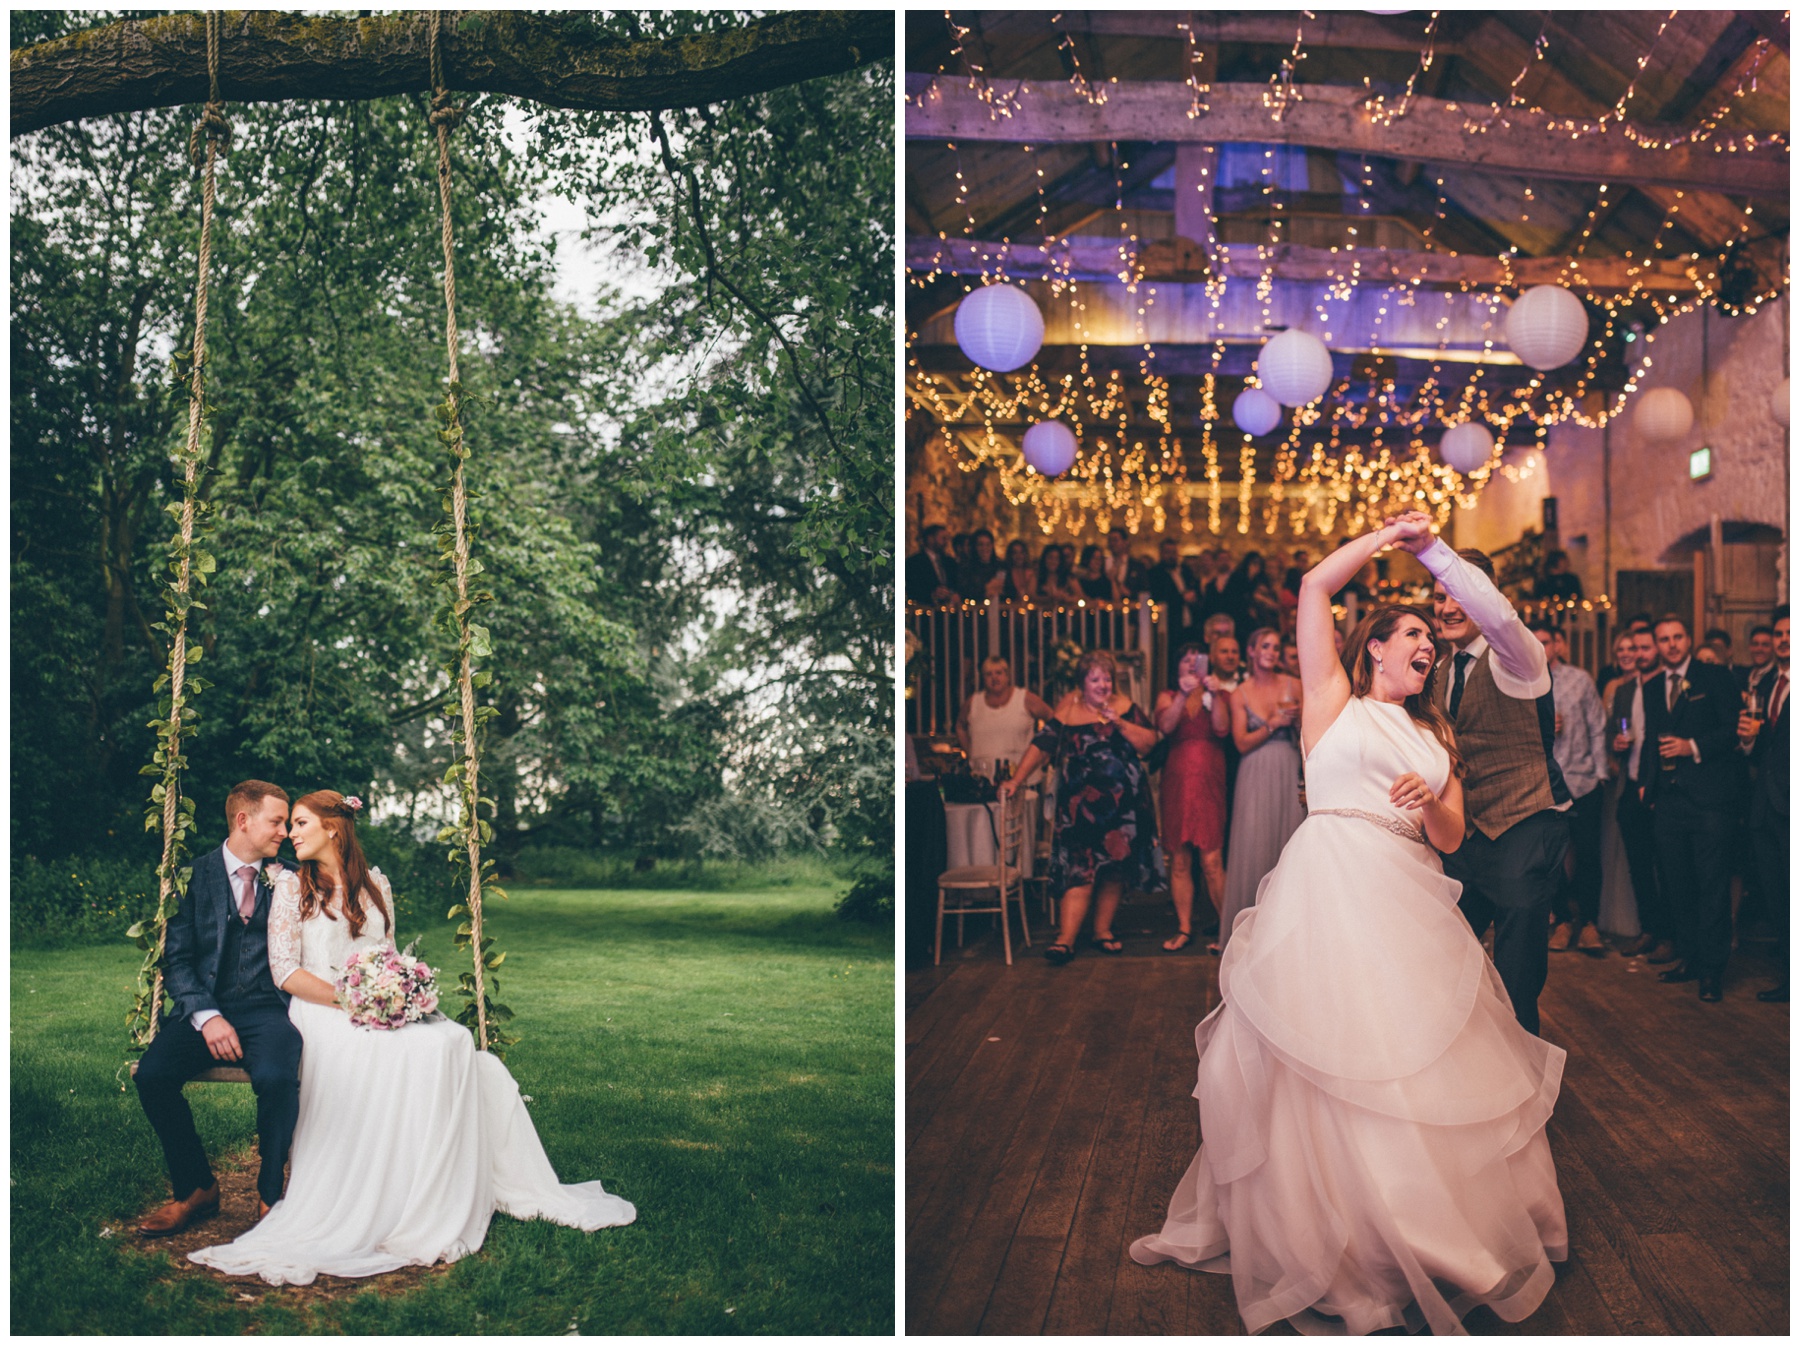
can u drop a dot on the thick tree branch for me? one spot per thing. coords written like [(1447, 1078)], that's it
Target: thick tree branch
[(270, 57)]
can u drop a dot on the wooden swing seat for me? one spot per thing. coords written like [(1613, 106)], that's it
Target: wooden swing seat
[(215, 1075)]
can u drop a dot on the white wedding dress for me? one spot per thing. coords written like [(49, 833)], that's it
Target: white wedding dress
[(1371, 1114), (408, 1140)]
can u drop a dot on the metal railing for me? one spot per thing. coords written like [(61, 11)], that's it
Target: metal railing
[(1034, 639)]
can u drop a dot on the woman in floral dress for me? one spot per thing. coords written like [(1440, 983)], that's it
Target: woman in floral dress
[(1105, 824)]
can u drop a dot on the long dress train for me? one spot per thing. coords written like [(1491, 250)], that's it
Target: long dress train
[(408, 1140), (1372, 1116)]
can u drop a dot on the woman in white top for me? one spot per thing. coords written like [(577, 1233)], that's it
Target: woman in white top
[(998, 722)]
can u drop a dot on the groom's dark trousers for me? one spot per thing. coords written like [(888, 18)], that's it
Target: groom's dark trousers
[(1508, 882), (214, 959)]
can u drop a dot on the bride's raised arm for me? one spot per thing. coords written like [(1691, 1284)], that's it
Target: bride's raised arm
[(1323, 683)]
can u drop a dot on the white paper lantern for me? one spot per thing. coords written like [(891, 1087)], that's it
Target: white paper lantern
[(1467, 446), (1546, 327), (1663, 414), (1294, 367), (1255, 412), (999, 327), (1778, 402), (1050, 447)]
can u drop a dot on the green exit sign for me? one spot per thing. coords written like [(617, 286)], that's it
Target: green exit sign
[(1700, 463)]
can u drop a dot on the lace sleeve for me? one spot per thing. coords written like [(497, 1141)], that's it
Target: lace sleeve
[(387, 900), (284, 929)]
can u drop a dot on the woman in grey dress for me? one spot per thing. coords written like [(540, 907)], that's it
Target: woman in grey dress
[(1265, 808)]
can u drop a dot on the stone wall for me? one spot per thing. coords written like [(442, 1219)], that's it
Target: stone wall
[(1654, 504)]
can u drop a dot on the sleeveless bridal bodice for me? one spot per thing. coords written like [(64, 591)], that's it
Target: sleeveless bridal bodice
[(1362, 752)]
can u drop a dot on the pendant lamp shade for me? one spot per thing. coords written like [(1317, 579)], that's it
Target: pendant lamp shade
[(1294, 367), (1663, 415), (1050, 447), (999, 327), (1546, 327), (1255, 412), (1467, 446)]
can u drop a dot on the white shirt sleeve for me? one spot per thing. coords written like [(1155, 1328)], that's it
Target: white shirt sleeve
[(1519, 667), (284, 929), (199, 1017)]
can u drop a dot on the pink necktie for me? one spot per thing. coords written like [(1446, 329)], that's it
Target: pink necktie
[(247, 899)]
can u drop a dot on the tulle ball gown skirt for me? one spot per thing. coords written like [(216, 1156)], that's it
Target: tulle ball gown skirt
[(406, 1144), (1371, 1114)]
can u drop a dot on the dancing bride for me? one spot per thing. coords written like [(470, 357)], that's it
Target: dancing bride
[(1372, 1116), (408, 1140)]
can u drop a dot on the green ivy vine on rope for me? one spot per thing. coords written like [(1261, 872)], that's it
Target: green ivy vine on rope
[(192, 566), (472, 643)]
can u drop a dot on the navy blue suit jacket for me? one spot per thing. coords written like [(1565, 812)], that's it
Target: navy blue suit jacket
[(196, 934)]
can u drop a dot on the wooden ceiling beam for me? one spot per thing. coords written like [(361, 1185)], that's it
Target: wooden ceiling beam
[(1328, 117), (1097, 259), (1269, 28)]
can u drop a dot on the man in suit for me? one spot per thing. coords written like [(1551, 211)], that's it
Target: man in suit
[(1500, 698), (1761, 667), (1120, 566), (228, 1011), (930, 573), (1637, 828), (1694, 786), (1764, 739), (1172, 586)]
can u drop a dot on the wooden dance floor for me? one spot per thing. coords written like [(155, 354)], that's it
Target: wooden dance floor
[(1049, 1115)]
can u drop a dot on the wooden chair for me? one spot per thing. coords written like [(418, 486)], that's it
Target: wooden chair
[(1002, 878)]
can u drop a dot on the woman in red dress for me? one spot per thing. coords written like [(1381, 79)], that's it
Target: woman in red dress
[(1197, 721)]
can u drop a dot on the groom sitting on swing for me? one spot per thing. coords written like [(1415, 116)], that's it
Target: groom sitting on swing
[(227, 1010)]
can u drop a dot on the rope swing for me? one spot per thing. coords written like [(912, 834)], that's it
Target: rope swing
[(190, 568), (471, 640)]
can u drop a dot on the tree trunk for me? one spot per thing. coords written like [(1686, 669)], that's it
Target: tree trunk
[(270, 57)]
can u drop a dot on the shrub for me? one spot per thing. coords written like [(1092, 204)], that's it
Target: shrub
[(79, 899), (870, 900)]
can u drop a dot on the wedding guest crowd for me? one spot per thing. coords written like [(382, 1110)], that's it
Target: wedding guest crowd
[(1666, 776)]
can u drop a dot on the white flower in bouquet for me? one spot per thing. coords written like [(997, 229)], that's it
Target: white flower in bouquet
[(383, 987)]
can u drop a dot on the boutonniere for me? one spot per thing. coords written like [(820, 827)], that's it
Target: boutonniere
[(1682, 686), (270, 874)]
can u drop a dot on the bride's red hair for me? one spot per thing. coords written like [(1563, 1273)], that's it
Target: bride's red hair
[(339, 821)]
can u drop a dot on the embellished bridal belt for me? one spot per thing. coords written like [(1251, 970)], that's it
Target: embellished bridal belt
[(1393, 825)]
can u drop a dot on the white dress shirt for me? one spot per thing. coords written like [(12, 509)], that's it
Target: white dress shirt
[(1670, 677), (1580, 748), (1519, 666)]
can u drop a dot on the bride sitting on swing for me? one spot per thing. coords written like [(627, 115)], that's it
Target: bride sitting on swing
[(407, 1140)]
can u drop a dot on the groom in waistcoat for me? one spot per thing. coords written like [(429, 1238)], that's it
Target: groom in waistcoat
[(228, 1011), (1498, 696)]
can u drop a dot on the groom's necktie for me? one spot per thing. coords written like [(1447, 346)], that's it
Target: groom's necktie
[(247, 891), (1456, 688)]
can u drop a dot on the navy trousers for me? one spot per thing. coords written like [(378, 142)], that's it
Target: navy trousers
[(271, 1046), (1509, 883)]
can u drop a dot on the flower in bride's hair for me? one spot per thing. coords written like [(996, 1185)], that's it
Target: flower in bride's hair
[(352, 803)]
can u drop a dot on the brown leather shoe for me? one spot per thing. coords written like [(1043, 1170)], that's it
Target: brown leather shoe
[(1664, 952), (1560, 937), (178, 1215), (262, 1208), (1641, 945), (1590, 942)]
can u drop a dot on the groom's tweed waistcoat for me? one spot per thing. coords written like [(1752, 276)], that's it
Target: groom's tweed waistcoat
[(1506, 744), (244, 979)]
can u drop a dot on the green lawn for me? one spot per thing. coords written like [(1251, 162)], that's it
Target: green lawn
[(723, 1060)]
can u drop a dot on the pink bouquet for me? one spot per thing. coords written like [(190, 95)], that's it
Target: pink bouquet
[(383, 987)]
